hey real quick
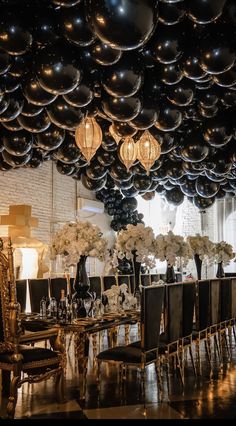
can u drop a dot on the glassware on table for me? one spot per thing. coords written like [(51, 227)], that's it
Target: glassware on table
[(88, 303)]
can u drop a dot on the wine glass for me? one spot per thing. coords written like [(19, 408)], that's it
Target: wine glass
[(87, 306)]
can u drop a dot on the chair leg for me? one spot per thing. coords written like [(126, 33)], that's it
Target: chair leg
[(159, 379), (12, 400), (143, 384), (6, 380), (95, 346), (180, 369), (234, 333), (60, 387), (127, 333), (192, 361), (98, 375), (198, 357)]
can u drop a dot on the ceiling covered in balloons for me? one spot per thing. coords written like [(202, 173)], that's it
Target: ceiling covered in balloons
[(161, 70)]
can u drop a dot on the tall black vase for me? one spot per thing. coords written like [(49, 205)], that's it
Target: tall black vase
[(220, 273), (137, 269), (198, 263), (170, 274), (81, 282)]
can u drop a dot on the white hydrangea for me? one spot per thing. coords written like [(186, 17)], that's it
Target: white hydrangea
[(223, 252), (135, 240), (202, 246), (78, 239), (172, 247)]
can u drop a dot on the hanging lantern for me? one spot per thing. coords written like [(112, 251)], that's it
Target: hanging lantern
[(88, 137), (148, 150), (114, 135), (128, 152)]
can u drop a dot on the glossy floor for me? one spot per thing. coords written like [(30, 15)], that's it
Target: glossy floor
[(201, 398)]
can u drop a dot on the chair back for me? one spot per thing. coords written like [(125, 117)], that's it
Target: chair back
[(233, 298), (56, 285), (38, 288), (225, 299), (154, 277), (132, 283), (95, 285), (124, 279), (151, 310), (174, 311), (189, 297), (8, 304), (108, 281), (203, 305), (215, 301), (145, 279), (21, 287)]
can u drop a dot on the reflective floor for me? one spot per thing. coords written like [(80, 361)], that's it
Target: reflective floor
[(201, 398)]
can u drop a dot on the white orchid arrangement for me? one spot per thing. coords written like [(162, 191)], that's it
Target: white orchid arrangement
[(117, 295), (202, 246), (135, 240), (171, 248), (223, 252), (78, 239)]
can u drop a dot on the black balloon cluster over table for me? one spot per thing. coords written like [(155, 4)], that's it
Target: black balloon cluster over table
[(168, 66)]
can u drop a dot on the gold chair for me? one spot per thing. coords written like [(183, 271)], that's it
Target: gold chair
[(19, 362)]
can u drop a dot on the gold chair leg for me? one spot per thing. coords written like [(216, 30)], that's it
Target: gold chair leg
[(127, 333), (12, 400), (95, 346), (198, 357), (216, 344), (143, 387), (159, 379), (208, 355), (60, 387), (192, 361), (180, 368), (98, 375)]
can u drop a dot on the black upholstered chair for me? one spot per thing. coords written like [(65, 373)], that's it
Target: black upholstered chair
[(56, 285), (17, 358), (38, 288), (170, 344), (95, 286), (21, 288), (154, 277), (108, 281), (145, 279), (124, 279), (140, 354)]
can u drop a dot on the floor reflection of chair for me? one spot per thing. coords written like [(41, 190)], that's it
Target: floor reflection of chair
[(139, 354), (202, 324)]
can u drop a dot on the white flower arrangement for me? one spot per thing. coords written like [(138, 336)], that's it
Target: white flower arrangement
[(136, 240), (202, 246), (172, 247), (223, 252), (78, 239)]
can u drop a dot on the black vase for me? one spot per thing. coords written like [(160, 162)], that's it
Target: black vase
[(81, 282), (136, 269), (220, 273), (198, 263), (170, 274)]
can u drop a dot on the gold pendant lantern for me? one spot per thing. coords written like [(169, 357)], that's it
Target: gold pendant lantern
[(114, 135), (88, 137), (128, 152), (148, 150)]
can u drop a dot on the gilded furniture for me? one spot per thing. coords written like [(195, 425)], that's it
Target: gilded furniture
[(19, 361)]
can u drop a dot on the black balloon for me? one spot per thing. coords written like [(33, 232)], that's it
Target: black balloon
[(95, 170), (205, 11), (217, 55), (51, 138), (142, 183), (16, 160), (12, 125), (167, 44), (74, 26), (205, 187), (5, 62), (57, 69), (65, 169), (123, 78), (81, 96), (203, 203), (123, 129), (121, 24), (35, 124), (4, 103), (30, 110), (12, 111), (92, 184), (217, 131), (181, 94), (64, 115), (194, 150), (169, 118), (68, 152), (15, 39), (18, 143), (174, 196), (35, 94), (129, 204), (171, 13), (121, 109), (171, 73), (103, 54)]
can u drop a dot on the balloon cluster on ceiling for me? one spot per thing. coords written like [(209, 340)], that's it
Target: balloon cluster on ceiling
[(166, 66)]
